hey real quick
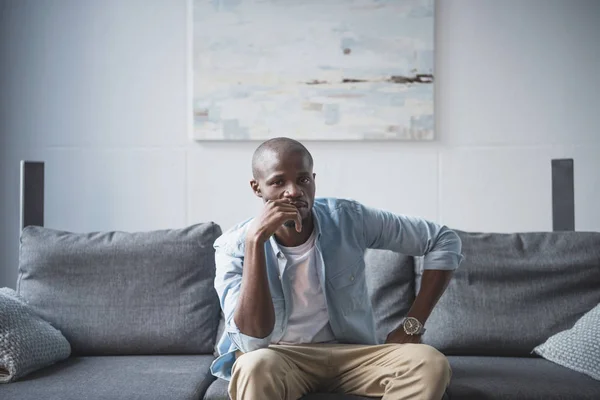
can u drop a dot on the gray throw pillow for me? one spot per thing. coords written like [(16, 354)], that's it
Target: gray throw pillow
[(27, 342), (577, 348), (391, 283), (513, 291), (124, 292)]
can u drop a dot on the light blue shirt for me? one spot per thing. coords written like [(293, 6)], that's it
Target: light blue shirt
[(345, 229)]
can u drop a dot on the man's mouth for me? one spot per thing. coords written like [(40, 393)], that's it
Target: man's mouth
[(299, 204)]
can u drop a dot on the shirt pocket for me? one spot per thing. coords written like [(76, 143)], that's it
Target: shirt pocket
[(344, 278), (348, 287)]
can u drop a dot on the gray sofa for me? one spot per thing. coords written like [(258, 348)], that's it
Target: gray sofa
[(142, 317)]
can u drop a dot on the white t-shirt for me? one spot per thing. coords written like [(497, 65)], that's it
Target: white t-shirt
[(309, 320)]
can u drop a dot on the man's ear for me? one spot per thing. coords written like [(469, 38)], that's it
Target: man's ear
[(255, 188)]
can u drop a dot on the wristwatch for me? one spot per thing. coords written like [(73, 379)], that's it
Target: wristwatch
[(412, 326)]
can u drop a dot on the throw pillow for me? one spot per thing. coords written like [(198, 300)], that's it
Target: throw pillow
[(124, 292), (577, 348), (390, 281), (27, 342), (513, 291)]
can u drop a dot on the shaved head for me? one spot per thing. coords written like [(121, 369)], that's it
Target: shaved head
[(276, 147), (283, 171)]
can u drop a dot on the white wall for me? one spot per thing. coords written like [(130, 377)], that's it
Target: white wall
[(97, 89)]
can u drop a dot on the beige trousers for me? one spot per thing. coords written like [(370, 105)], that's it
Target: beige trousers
[(391, 371)]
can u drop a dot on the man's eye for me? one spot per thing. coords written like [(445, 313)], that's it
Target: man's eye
[(277, 183), (305, 180)]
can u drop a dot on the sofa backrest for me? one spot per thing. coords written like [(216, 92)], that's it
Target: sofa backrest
[(391, 283), (124, 293), (513, 291)]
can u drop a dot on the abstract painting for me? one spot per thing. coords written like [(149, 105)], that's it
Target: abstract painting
[(313, 69)]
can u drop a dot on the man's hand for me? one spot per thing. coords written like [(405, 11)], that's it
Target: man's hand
[(399, 336), (275, 213)]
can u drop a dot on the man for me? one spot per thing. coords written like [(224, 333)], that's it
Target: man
[(291, 284)]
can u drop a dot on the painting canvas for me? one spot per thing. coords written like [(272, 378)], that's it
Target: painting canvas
[(313, 69)]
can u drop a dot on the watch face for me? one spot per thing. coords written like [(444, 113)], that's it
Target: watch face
[(411, 325)]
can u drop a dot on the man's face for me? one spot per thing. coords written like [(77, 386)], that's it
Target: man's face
[(287, 176)]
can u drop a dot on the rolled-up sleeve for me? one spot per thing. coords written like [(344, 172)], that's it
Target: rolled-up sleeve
[(228, 281), (440, 246)]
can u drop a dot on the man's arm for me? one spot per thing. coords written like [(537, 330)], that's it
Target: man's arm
[(254, 314), (241, 279), (228, 282), (433, 285), (412, 236), (440, 246)]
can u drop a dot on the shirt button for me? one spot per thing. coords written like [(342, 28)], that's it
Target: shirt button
[(280, 256), (351, 277)]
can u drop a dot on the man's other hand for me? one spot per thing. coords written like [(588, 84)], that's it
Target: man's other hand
[(399, 336)]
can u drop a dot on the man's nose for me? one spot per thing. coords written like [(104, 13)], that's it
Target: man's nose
[(293, 190)]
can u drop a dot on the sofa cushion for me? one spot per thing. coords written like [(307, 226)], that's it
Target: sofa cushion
[(124, 293), (513, 291), (391, 283), (509, 378), (577, 348), (116, 378), (27, 342)]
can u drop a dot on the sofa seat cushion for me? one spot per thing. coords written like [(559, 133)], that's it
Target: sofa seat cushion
[(483, 378), (116, 378), (218, 391)]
